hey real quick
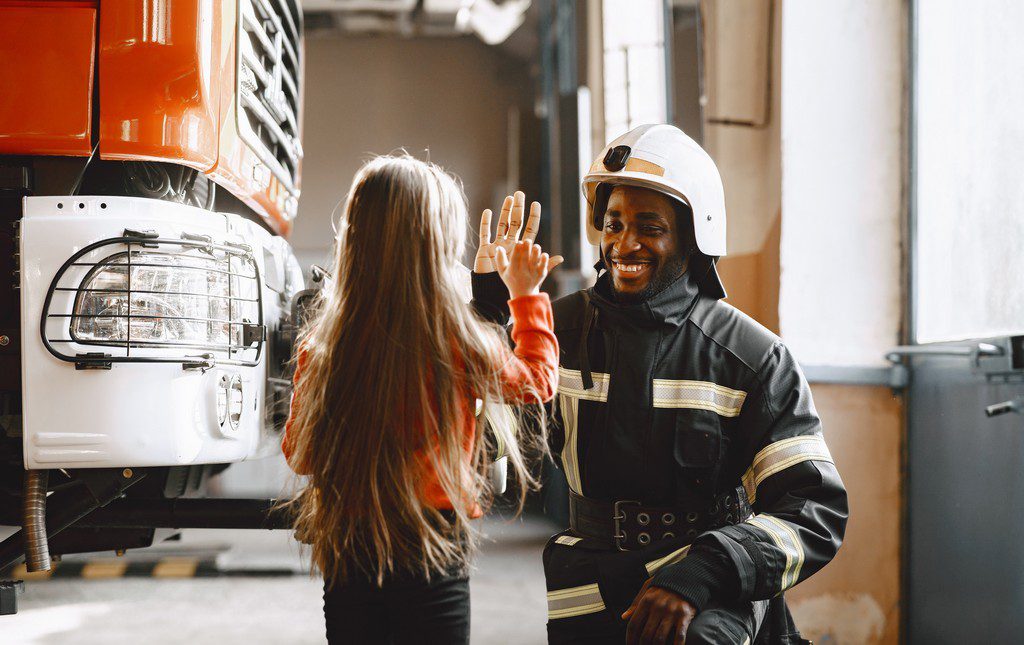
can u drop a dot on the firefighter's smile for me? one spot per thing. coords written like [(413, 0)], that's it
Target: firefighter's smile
[(631, 270)]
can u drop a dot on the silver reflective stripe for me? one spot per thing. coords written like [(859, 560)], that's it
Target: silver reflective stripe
[(567, 540), (778, 456), (671, 558), (571, 382), (570, 409), (575, 601), (698, 395), (786, 539)]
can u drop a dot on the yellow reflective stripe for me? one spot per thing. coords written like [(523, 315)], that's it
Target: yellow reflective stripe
[(567, 540), (698, 395), (671, 558), (778, 456), (574, 601), (635, 164), (570, 409), (571, 382), (786, 539)]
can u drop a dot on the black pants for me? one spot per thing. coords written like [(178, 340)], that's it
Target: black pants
[(403, 610), (736, 625), (588, 590)]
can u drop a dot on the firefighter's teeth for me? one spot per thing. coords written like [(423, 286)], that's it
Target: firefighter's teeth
[(629, 268)]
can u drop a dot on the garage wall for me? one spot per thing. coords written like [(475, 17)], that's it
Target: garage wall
[(369, 96), (747, 151)]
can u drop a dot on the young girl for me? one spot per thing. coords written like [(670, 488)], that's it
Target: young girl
[(387, 386)]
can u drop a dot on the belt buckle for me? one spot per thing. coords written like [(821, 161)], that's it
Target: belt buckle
[(617, 518)]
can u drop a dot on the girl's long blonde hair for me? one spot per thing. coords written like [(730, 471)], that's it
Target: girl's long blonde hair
[(393, 357)]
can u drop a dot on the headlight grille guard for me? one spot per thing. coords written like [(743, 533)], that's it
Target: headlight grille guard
[(253, 334)]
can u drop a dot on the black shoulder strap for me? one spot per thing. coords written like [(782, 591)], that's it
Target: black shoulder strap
[(589, 314)]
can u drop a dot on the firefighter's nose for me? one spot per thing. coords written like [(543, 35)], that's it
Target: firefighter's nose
[(627, 243)]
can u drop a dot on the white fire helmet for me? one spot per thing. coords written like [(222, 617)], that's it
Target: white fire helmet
[(662, 158)]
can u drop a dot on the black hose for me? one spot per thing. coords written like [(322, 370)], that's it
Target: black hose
[(37, 546)]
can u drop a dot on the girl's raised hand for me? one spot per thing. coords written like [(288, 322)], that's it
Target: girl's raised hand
[(510, 225), (523, 271)]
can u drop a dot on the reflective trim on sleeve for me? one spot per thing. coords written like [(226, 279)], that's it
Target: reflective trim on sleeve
[(574, 601), (671, 558), (698, 395), (571, 382), (567, 540), (788, 542), (570, 409), (778, 456)]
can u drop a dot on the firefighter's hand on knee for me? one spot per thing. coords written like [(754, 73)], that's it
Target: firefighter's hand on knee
[(524, 270), (658, 616), (510, 226)]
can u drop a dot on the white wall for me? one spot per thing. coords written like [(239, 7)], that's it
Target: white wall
[(369, 96), (842, 97)]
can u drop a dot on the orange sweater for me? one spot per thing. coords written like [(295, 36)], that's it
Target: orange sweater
[(533, 364)]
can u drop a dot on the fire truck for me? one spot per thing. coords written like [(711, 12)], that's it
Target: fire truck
[(149, 177)]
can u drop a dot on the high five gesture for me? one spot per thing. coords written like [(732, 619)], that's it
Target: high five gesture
[(510, 225)]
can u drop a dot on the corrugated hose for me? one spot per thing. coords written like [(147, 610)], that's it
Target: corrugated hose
[(37, 546)]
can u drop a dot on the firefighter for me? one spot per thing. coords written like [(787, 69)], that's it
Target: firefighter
[(701, 487)]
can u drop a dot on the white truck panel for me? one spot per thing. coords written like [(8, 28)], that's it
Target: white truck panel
[(134, 414)]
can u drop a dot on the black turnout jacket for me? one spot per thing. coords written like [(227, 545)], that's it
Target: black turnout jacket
[(682, 398)]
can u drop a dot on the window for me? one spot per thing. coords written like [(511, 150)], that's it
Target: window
[(634, 65), (968, 271)]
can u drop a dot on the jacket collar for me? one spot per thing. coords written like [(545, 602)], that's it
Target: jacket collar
[(671, 306)]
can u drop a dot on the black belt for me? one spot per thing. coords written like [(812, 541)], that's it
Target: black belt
[(628, 525)]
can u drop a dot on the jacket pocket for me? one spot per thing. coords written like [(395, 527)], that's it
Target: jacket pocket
[(697, 449)]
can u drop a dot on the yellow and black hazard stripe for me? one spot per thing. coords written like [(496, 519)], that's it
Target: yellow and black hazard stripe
[(106, 568), (698, 395), (785, 538), (780, 455)]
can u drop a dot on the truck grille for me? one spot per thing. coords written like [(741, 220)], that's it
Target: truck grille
[(269, 74)]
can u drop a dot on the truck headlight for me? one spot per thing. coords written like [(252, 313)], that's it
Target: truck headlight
[(187, 300), (173, 298)]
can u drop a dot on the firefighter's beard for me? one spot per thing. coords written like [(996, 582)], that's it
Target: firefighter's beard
[(667, 273)]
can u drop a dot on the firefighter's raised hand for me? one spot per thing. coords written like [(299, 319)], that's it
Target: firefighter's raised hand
[(524, 270), (658, 616), (510, 225)]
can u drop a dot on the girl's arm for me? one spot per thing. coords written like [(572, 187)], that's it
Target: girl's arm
[(529, 373)]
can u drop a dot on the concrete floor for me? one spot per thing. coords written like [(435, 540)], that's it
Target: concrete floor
[(508, 597)]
